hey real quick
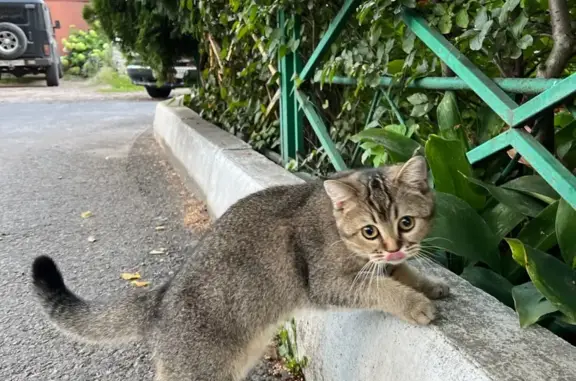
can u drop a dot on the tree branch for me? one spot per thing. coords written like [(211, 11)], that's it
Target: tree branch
[(563, 40), (554, 65)]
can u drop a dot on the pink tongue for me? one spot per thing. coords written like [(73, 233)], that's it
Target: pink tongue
[(395, 256)]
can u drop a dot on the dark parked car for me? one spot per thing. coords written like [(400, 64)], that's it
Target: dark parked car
[(28, 40), (143, 75)]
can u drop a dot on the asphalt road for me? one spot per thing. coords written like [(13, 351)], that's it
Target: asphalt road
[(58, 160)]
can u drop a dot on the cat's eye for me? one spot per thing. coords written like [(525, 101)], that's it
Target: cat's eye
[(406, 223), (370, 232)]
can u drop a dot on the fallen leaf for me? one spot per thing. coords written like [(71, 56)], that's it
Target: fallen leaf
[(158, 251), (130, 276), (160, 228), (86, 214), (91, 239), (140, 283)]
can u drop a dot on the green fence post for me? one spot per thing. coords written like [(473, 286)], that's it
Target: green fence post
[(297, 67), (287, 101), (321, 131)]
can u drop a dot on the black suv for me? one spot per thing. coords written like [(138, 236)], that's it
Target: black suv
[(28, 41)]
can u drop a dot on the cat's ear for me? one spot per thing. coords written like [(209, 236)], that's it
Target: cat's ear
[(339, 192), (414, 173)]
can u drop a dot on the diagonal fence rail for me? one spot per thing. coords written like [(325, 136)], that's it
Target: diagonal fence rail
[(295, 105)]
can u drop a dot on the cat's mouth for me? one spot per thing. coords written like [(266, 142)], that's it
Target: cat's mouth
[(392, 258)]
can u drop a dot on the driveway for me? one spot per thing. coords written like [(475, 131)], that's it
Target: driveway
[(35, 90), (59, 158)]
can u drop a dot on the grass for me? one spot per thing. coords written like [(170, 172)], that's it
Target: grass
[(114, 82), (11, 80)]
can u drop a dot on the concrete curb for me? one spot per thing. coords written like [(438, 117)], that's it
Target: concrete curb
[(476, 339)]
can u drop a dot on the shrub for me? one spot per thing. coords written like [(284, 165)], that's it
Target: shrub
[(87, 52)]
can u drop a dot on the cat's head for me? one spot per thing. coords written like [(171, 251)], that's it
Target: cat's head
[(383, 214)]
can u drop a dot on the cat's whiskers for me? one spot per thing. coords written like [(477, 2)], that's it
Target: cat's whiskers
[(361, 273), (428, 253), (424, 259), (417, 253), (429, 239)]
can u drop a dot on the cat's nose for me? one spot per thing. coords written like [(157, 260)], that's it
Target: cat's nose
[(391, 245)]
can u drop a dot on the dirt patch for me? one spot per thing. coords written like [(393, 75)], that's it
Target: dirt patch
[(196, 216)]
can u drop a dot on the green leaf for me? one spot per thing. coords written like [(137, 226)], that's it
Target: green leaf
[(519, 24), (462, 19), (242, 32), (519, 202), (534, 5), (447, 161), (490, 282), (397, 128), (408, 41), (565, 144), (481, 18), (540, 232), (553, 278), (565, 138), (439, 9), (445, 24), (563, 119), (502, 219), (530, 304), (566, 232), (398, 146), (449, 118), (451, 230), (375, 36), (534, 186), (417, 99), (395, 66), (478, 40), (489, 124), (421, 109), (223, 92), (525, 42), (508, 7)]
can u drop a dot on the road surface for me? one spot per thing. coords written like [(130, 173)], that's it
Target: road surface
[(59, 159)]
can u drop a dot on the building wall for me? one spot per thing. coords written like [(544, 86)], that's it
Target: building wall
[(69, 13)]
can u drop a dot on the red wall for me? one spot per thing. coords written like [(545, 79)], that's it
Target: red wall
[(69, 13)]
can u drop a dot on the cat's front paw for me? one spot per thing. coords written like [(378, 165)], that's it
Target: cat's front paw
[(419, 310), (436, 289)]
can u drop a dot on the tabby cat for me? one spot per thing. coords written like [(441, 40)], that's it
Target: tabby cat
[(339, 242)]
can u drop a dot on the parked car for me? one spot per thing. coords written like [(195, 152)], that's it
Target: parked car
[(28, 40), (143, 75)]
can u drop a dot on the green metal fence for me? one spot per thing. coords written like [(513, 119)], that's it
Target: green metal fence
[(294, 104)]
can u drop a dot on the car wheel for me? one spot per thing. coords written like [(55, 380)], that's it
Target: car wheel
[(13, 41), (52, 78), (158, 92)]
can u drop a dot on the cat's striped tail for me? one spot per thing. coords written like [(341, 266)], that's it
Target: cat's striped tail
[(120, 321)]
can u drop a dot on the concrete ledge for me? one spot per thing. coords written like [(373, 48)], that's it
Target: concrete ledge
[(476, 339), (223, 167)]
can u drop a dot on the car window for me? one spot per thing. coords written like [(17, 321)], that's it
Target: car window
[(14, 14)]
